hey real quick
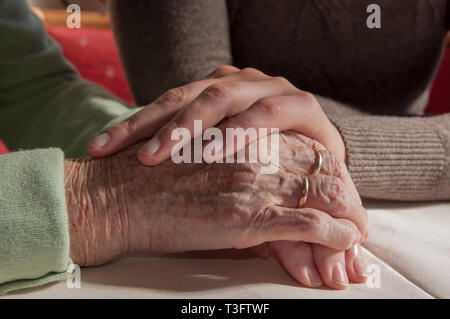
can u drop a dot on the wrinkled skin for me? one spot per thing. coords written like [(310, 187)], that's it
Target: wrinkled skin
[(117, 205)]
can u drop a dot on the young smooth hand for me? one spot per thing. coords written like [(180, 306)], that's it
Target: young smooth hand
[(248, 98)]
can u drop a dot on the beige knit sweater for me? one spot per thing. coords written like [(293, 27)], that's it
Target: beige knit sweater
[(369, 81)]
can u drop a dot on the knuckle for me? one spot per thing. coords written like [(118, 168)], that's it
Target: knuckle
[(127, 126), (282, 81), (335, 191), (221, 69), (336, 164), (174, 96), (218, 91), (251, 72), (269, 106), (224, 70), (197, 108), (311, 222), (308, 99)]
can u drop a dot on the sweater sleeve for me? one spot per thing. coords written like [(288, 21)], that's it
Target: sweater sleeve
[(395, 157), (177, 42), (34, 234)]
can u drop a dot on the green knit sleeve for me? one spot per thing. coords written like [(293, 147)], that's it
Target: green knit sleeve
[(43, 101), (34, 231)]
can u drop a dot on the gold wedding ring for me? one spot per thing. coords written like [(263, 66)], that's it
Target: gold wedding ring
[(304, 196), (319, 160)]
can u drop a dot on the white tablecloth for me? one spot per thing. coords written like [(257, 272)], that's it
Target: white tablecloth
[(409, 248)]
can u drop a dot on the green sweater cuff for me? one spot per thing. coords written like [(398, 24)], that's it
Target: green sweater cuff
[(34, 231)]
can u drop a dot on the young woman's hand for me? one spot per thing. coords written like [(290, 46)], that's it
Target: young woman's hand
[(248, 98)]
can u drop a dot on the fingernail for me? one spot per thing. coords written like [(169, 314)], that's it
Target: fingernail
[(100, 140), (339, 275), (151, 147), (314, 278), (359, 262)]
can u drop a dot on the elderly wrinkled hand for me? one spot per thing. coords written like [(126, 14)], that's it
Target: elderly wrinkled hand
[(116, 204)]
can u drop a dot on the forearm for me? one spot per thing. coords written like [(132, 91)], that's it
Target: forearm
[(34, 239)]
